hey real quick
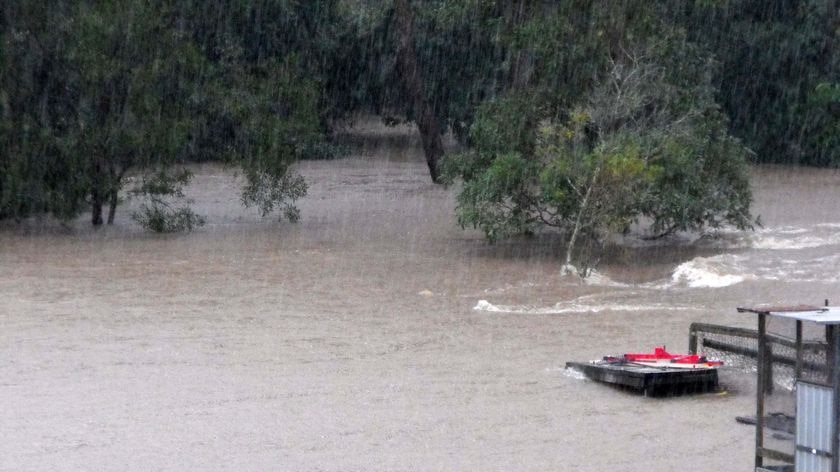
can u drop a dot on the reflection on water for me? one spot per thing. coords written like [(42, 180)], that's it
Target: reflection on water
[(375, 334)]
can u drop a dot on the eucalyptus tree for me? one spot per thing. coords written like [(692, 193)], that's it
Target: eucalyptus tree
[(640, 143), (94, 91), (269, 91), (428, 62), (132, 77)]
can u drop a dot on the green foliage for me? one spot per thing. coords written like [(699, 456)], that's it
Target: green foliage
[(166, 208), (511, 126), (91, 92), (37, 173), (263, 118), (101, 96), (820, 133), (132, 78), (774, 56), (645, 148), (266, 191), (163, 182), (161, 217), (702, 182), (459, 56)]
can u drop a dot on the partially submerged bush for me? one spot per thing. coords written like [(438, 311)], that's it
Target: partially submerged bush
[(266, 191), (161, 217), (160, 214)]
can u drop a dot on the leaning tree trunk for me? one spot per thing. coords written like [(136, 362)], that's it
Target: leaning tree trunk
[(584, 206), (424, 112)]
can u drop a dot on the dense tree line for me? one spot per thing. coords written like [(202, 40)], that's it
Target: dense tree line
[(590, 116), (92, 91)]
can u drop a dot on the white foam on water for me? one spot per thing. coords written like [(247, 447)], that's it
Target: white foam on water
[(771, 238), (814, 270), (713, 272), (777, 243), (593, 277), (730, 269), (511, 287), (484, 305), (785, 230), (597, 278), (708, 272), (569, 270), (573, 373), (792, 237), (571, 307)]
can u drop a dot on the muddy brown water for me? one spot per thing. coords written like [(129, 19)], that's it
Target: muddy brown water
[(376, 335)]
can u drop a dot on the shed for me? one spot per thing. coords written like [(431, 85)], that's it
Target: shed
[(817, 430)]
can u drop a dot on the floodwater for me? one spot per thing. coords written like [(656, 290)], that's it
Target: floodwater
[(376, 335)]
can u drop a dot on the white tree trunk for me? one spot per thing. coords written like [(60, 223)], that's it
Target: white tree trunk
[(567, 263)]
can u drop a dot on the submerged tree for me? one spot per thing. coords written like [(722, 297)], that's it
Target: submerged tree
[(166, 209), (262, 118), (132, 79), (647, 147), (427, 121), (430, 62), (93, 91)]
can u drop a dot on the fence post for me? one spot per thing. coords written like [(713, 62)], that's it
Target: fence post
[(692, 339), (768, 366), (759, 404), (797, 370)]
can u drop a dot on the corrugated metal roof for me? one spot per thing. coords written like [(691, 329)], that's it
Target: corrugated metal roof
[(827, 315)]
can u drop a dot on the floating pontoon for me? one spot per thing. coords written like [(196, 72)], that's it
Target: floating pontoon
[(654, 374)]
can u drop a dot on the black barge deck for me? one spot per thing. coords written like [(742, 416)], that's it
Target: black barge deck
[(652, 381)]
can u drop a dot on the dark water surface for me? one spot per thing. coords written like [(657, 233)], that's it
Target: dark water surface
[(376, 335)]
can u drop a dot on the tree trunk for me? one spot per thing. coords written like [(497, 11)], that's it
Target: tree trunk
[(567, 264), (97, 197), (98, 178), (424, 112), (112, 206), (432, 143), (114, 184), (96, 206)]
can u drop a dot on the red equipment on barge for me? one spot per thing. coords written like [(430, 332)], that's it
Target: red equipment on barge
[(659, 373), (662, 358)]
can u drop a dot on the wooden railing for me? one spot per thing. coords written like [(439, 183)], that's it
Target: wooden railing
[(796, 361)]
